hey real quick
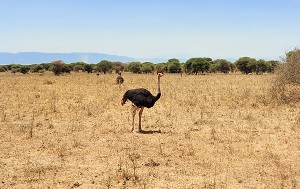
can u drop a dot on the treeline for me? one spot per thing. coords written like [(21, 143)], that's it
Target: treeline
[(196, 66)]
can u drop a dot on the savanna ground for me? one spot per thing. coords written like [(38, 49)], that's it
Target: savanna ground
[(216, 131)]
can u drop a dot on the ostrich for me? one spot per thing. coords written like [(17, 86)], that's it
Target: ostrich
[(119, 79), (141, 98)]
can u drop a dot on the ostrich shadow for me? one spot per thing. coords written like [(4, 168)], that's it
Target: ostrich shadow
[(149, 131)]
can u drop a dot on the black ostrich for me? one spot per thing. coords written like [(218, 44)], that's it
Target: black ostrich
[(141, 98), (119, 79)]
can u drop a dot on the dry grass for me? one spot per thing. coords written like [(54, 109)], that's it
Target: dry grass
[(286, 86), (217, 131)]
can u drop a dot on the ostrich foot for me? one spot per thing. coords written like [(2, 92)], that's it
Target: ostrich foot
[(138, 131)]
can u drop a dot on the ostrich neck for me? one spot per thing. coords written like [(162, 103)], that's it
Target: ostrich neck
[(158, 85)]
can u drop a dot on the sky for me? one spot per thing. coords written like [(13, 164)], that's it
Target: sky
[(147, 29)]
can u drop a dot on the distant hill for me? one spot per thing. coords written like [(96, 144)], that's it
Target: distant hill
[(38, 57)]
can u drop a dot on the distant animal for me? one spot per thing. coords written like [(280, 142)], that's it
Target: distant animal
[(119, 79), (141, 98)]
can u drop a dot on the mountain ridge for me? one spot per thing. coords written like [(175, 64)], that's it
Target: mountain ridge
[(29, 58), (7, 58)]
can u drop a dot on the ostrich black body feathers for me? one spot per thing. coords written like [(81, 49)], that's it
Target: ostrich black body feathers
[(120, 80), (140, 97)]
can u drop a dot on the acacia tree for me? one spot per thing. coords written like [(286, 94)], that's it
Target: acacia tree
[(78, 66), (221, 65), (261, 66), (272, 64), (197, 65), (118, 66), (134, 67), (173, 65), (88, 68), (246, 64), (147, 67), (188, 65), (161, 67), (104, 66)]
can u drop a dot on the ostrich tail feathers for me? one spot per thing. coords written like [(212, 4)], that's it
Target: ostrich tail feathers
[(123, 101)]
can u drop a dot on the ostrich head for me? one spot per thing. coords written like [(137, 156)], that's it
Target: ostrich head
[(160, 73)]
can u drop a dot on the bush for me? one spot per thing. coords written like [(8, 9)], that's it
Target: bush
[(36, 68), (24, 69), (3, 69), (57, 67), (67, 68), (286, 86)]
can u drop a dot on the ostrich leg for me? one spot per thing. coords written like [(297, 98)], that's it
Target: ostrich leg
[(140, 119), (134, 108)]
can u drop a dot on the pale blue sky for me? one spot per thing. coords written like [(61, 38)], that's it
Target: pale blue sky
[(152, 28)]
